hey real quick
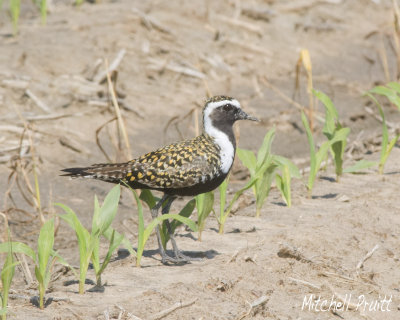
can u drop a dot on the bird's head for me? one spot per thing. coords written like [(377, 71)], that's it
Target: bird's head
[(221, 112)]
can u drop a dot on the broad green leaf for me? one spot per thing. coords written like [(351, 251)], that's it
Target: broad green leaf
[(283, 184), (222, 199), (204, 205), (148, 198), (265, 184), (81, 232), (115, 241), (248, 158), (388, 93), (109, 208), (313, 158), (360, 165), (282, 161), (387, 151), (265, 148), (45, 245), (125, 242), (96, 215), (331, 114), (15, 6), (7, 274), (18, 247), (141, 241)]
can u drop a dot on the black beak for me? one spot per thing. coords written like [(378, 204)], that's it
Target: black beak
[(241, 115)]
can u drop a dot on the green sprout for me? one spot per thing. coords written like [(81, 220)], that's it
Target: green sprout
[(391, 92), (386, 146), (44, 258), (316, 157), (89, 242), (331, 127), (204, 205), (264, 166), (7, 274)]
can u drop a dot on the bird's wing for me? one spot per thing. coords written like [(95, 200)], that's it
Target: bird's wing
[(178, 165)]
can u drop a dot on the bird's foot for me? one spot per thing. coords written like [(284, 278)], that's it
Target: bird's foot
[(183, 257), (166, 259), (179, 258)]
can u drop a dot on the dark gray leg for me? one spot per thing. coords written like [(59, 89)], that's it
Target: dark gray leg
[(180, 257), (154, 213)]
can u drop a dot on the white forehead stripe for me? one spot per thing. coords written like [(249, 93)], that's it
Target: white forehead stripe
[(213, 105)]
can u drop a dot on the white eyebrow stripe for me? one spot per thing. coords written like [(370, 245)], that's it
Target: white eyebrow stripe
[(213, 105)]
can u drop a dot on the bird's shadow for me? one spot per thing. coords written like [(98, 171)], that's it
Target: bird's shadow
[(154, 254)]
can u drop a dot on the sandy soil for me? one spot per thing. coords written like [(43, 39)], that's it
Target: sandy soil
[(171, 59)]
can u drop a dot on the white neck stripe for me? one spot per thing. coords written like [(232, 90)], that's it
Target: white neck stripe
[(227, 152)]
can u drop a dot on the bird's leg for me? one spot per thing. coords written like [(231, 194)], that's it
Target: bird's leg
[(178, 254), (154, 213)]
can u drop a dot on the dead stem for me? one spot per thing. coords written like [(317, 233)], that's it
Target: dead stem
[(121, 124)]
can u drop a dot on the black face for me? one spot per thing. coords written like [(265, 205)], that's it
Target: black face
[(228, 114)]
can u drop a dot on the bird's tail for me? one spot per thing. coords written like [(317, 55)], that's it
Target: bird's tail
[(107, 172)]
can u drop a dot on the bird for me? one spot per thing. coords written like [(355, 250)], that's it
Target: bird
[(185, 168)]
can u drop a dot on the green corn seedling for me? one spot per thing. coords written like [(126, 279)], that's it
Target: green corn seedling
[(15, 9), (204, 205), (144, 232), (316, 157), (265, 165), (261, 165), (386, 147), (7, 274), (331, 127), (89, 242), (283, 182), (391, 91), (44, 258)]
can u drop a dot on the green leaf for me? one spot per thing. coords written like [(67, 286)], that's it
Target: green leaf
[(115, 241), (109, 209), (148, 198), (45, 245), (265, 148), (360, 165), (82, 234), (389, 93), (18, 247), (141, 241), (283, 184), (248, 159), (313, 158), (331, 114), (204, 205), (125, 242), (264, 185), (15, 6), (282, 161), (7, 274), (222, 198)]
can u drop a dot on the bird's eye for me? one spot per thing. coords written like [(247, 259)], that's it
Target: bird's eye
[(226, 107)]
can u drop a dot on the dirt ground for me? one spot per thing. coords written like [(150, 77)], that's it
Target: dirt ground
[(280, 266)]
